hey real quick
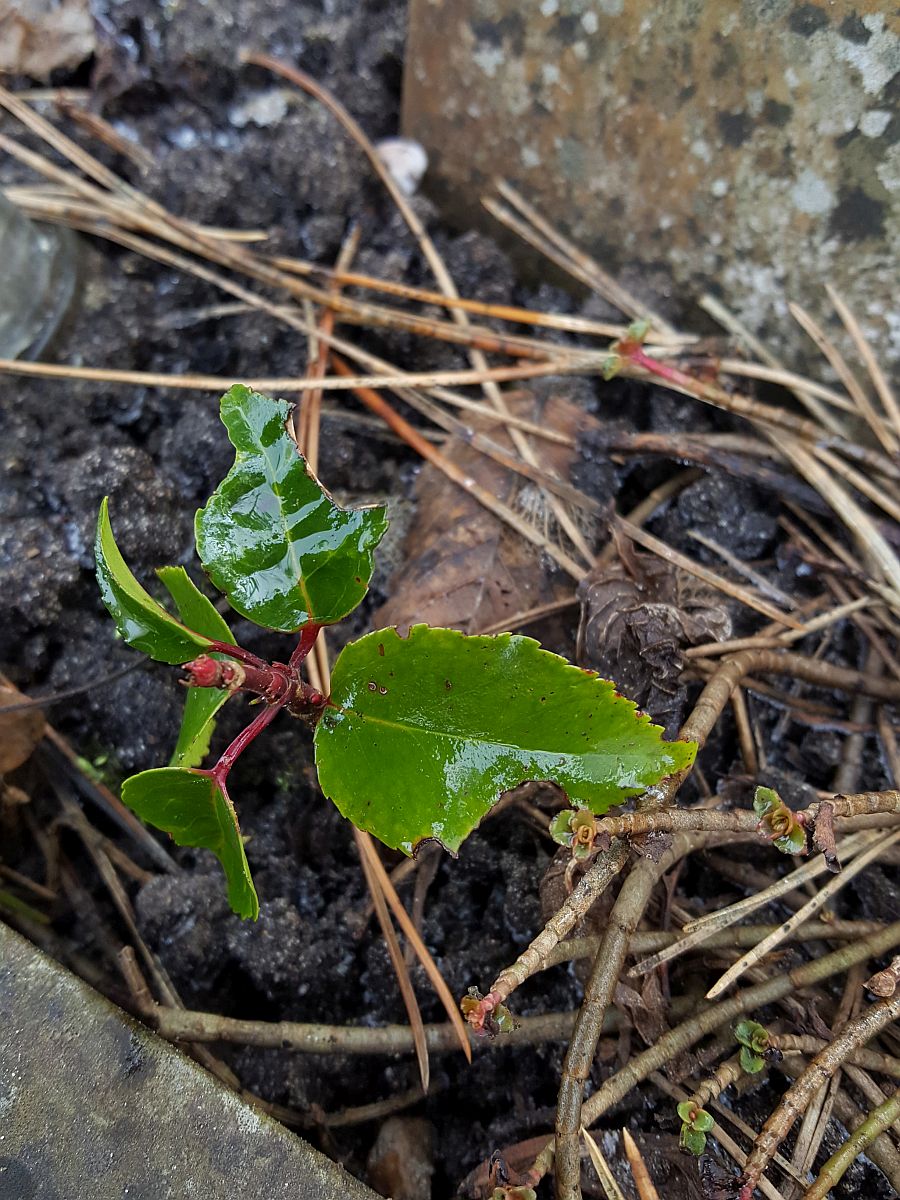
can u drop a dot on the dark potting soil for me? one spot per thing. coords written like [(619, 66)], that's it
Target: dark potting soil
[(168, 76)]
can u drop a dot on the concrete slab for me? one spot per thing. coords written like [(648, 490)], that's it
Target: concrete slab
[(94, 1106)]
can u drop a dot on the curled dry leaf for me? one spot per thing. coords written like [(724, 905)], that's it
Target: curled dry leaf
[(20, 731), (637, 616), (823, 836), (884, 983)]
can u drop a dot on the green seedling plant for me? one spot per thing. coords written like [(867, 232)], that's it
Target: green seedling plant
[(696, 1123), (753, 1040), (420, 735), (784, 828), (577, 830)]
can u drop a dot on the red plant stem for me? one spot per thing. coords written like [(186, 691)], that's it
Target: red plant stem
[(275, 682), (233, 752), (636, 354), (308, 636), (236, 652)]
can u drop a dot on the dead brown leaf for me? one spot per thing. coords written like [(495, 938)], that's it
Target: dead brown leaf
[(38, 36), (823, 836), (20, 731), (465, 568)]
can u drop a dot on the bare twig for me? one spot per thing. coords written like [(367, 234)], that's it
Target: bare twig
[(179, 1025), (819, 900), (598, 994), (858, 1142), (822, 1067)]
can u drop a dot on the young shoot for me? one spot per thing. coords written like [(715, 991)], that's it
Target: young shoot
[(420, 735)]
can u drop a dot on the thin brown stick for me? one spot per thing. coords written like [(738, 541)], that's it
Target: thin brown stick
[(712, 1017), (744, 732), (750, 599), (857, 393), (587, 269), (499, 312), (412, 437), (781, 887), (437, 980), (809, 1046), (216, 383), (879, 380), (359, 1114), (26, 882), (180, 1025), (101, 129), (783, 638), (626, 912), (872, 490), (397, 961), (765, 415), (307, 420), (795, 383), (737, 565), (642, 1181), (735, 938), (819, 1071), (818, 901), (584, 895)]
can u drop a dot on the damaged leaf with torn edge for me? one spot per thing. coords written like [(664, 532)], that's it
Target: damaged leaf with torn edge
[(423, 734)]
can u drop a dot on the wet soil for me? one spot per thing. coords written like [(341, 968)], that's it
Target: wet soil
[(168, 76)]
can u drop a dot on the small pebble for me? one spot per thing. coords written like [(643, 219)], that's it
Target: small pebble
[(406, 160), (263, 108)]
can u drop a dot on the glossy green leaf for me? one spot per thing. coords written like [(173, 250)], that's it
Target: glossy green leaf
[(141, 622), (271, 537), (201, 704), (765, 801), (692, 1140), (424, 733), (703, 1121), (561, 827), (195, 610), (750, 1062), (752, 1035), (190, 806), (793, 842)]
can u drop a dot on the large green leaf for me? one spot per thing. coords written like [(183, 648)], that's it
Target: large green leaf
[(141, 622), (190, 806), (424, 733), (271, 537), (201, 704)]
